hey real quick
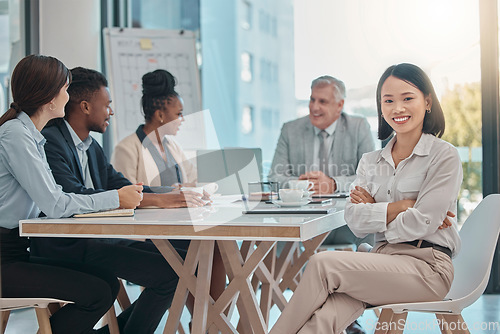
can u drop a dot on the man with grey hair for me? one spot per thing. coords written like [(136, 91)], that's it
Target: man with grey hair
[(324, 147)]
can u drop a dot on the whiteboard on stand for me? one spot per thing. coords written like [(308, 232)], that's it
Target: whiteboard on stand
[(131, 53)]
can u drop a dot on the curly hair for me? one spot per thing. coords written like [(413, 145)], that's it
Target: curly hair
[(85, 84), (157, 87)]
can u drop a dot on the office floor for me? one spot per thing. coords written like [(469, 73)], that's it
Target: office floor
[(482, 317)]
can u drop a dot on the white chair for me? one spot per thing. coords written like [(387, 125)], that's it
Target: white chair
[(472, 270), (43, 312), (40, 305)]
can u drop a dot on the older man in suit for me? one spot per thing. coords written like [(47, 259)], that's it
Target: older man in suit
[(325, 148)]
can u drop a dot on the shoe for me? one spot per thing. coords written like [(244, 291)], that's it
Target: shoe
[(355, 328)]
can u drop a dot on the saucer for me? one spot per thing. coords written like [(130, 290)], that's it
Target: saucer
[(299, 203)]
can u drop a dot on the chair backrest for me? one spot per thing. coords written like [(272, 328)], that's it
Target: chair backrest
[(479, 236)]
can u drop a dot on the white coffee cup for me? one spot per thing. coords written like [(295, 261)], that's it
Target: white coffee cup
[(305, 185), (211, 188), (198, 190), (291, 195)]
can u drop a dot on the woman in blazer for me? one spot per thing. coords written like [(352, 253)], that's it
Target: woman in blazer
[(151, 155)]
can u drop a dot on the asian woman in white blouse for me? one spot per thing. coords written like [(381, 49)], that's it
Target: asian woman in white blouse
[(406, 194)]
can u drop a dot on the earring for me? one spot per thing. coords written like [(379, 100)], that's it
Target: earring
[(428, 111), (50, 106), (161, 121)]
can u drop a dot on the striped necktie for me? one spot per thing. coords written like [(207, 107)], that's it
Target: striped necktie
[(323, 152)]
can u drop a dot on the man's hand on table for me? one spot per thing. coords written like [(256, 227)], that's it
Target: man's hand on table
[(323, 184)]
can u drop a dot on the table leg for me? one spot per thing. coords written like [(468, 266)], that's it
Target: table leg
[(310, 247), (239, 272), (202, 295), (185, 269), (284, 272)]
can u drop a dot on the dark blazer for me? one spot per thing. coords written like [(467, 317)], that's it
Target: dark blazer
[(65, 164)]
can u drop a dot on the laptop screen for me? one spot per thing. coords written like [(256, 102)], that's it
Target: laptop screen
[(231, 168)]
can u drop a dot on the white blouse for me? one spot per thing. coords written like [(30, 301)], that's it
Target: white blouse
[(431, 175)]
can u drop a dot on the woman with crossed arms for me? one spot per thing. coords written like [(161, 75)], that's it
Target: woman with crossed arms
[(406, 194)]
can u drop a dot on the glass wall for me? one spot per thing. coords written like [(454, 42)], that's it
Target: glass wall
[(357, 40), (161, 14), (12, 44), (259, 58), (5, 54)]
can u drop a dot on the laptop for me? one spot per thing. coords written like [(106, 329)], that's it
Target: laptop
[(231, 168)]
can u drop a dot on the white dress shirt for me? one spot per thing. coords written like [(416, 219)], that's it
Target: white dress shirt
[(81, 149), (431, 175)]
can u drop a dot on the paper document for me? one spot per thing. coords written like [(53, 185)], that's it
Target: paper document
[(107, 213)]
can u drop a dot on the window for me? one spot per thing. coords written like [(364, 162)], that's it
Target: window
[(440, 45), (161, 14), (246, 67), (265, 70), (275, 76), (7, 29), (274, 27), (246, 22), (247, 120), (266, 118), (264, 21), (292, 45)]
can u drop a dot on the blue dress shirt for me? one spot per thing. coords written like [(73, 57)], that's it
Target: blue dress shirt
[(26, 182)]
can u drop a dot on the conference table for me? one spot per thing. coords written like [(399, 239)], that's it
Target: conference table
[(247, 243)]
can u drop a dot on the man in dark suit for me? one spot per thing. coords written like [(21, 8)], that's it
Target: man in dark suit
[(79, 165)]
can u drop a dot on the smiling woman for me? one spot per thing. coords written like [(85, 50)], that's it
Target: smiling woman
[(409, 205), (151, 155), (356, 40)]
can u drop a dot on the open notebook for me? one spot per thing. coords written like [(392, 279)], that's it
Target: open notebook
[(107, 213)]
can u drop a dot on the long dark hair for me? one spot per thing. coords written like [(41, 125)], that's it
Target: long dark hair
[(157, 87), (415, 76), (35, 81)]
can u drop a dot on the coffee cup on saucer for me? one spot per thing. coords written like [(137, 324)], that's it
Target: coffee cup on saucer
[(198, 190), (211, 188), (291, 195), (305, 185)]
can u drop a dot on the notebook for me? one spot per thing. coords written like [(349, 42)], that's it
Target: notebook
[(107, 213), (335, 195)]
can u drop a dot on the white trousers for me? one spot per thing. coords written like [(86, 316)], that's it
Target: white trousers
[(337, 286)]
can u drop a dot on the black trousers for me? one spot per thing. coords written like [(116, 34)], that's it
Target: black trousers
[(140, 263), (92, 289)]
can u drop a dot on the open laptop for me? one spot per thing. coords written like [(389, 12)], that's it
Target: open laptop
[(231, 168)]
